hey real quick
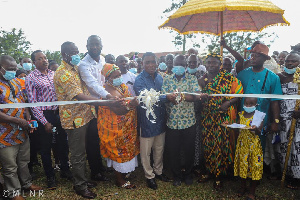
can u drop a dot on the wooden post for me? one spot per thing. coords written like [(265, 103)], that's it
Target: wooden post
[(221, 23)]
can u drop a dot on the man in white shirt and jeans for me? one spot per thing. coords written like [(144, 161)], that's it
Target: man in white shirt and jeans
[(90, 72)]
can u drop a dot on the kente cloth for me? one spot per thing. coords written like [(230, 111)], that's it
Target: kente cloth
[(11, 92), (287, 107), (118, 133), (218, 152), (248, 161)]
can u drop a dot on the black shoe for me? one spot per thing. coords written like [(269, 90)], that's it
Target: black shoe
[(163, 178), (176, 183), (99, 177), (151, 184), (91, 184), (51, 183), (33, 175), (67, 174), (188, 180), (86, 193)]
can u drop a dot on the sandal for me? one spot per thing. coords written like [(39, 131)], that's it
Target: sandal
[(292, 186), (218, 185), (127, 185), (203, 178)]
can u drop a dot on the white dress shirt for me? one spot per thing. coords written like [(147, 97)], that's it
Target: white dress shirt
[(90, 73), (129, 79)]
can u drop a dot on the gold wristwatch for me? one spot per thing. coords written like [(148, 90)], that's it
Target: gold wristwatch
[(276, 121)]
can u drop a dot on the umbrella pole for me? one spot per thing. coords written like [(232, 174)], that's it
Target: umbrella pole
[(221, 48)]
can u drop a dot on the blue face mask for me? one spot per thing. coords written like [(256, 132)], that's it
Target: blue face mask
[(162, 66), (192, 71), (23, 78), (178, 70), (9, 75), (290, 71), (118, 81), (249, 109), (27, 66), (75, 59), (133, 70)]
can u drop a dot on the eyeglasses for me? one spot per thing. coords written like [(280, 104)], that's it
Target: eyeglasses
[(255, 55)]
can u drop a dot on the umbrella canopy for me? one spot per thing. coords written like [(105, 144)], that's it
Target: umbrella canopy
[(206, 16)]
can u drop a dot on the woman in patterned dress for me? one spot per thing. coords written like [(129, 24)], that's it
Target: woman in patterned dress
[(248, 162), (117, 128), (218, 153), (287, 113)]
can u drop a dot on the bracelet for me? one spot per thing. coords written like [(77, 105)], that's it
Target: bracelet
[(182, 97), (126, 105)]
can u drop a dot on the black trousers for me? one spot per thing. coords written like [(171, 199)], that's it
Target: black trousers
[(34, 148), (46, 143), (93, 148), (177, 141)]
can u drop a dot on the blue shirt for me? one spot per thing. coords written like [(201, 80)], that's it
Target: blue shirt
[(145, 81), (252, 83)]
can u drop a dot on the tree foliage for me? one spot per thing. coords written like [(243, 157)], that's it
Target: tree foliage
[(14, 43), (237, 40), (53, 55), (179, 39)]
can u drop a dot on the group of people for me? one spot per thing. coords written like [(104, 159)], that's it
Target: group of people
[(188, 131)]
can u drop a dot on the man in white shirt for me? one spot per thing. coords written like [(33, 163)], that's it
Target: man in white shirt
[(90, 72), (128, 77)]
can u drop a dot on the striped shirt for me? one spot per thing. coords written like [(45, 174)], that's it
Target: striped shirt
[(40, 88)]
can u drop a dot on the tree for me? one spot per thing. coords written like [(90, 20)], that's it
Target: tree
[(179, 39), (54, 55), (237, 40), (14, 43)]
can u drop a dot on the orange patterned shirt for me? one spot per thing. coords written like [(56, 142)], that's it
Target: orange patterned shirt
[(68, 84), (10, 134)]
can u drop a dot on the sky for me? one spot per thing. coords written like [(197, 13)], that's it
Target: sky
[(124, 26)]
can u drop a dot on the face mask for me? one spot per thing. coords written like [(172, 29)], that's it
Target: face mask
[(133, 70), (27, 66), (290, 71), (192, 71), (178, 70), (75, 59), (118, 81), (9, 75), (249, 109), (162, 66), (23, 78)]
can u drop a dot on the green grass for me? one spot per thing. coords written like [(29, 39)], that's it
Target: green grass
[(268, 190)]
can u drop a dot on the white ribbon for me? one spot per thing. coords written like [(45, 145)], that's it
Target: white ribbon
[(60, 103)]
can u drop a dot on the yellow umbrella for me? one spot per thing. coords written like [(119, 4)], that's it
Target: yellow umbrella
[(225, 16)]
